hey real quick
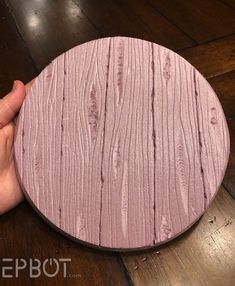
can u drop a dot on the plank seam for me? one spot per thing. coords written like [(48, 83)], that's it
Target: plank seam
[(124, 269), (206, 42), (171, 22), (154, 142), (199, 137), (103, 143), (61, 138)]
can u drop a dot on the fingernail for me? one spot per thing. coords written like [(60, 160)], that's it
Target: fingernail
[(15, 83)]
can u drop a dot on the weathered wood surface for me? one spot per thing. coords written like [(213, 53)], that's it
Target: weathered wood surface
[(135, 137)]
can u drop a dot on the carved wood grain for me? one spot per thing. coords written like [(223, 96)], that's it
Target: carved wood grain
[(121, 144)]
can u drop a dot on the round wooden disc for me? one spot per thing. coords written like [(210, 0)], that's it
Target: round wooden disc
[(121, 143)]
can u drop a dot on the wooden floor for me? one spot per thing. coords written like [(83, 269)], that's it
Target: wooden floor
[(34, 32)]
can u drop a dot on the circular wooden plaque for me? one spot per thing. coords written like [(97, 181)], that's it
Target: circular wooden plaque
[(121, 144)]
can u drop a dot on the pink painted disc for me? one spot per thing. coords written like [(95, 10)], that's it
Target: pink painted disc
[(121, 144)]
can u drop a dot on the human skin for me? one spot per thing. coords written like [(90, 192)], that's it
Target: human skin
[(10, 191)]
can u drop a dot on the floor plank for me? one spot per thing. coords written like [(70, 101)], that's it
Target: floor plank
[(15, 62), (213, 58), (177, 263), (49, 28), (24, 234), (134, 19), (201, 20)]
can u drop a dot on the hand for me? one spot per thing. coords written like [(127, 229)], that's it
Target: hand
[(10, 191)]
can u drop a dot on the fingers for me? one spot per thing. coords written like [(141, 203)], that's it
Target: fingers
[(10, 191), (11, 103)]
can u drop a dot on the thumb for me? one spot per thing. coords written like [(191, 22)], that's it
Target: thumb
[(11, 103)]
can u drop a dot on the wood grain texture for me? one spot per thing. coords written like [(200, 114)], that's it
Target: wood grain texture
[(202, 256), (121, 143)]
